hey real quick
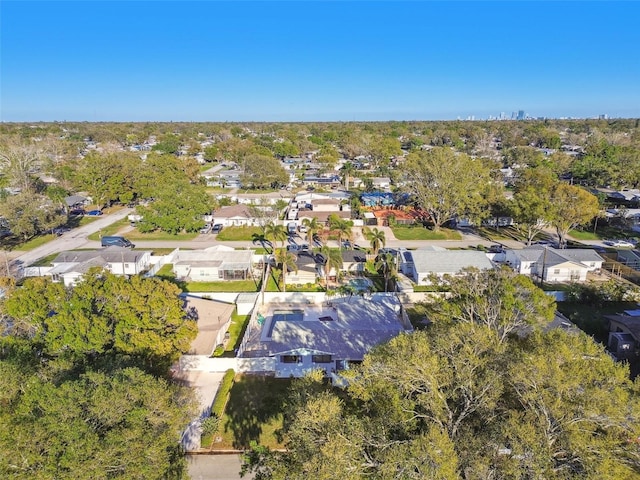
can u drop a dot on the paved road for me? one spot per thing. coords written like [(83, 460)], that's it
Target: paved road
[(76, 238), (215, 467)]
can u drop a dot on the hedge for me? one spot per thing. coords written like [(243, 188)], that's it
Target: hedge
[(217, 408)]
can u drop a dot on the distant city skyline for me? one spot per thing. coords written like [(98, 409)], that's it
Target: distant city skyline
[(317, 61)]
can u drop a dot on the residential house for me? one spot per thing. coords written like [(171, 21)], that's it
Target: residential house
[(353, 261), (624, 335), (381, 183), (235, 215), (554, 265), (307, 270), (331, 181), (420, 264), (330, 337), (213, 264), (70, 266)]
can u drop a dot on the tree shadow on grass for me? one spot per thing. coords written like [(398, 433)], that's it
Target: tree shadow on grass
[(255, 405)]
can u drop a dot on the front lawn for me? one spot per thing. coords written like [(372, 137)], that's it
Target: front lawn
[(112, 229), (422, 233), (235, 234), (253, 413), (583, 235), (160, 236), (35, 242)]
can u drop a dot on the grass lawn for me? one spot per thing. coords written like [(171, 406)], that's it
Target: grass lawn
[(254, 412), (231, 234), (35, 242), (422, 233), (158, 235), (590, 318), (583, 235), (112, 229), (229, 286), (236, 332)]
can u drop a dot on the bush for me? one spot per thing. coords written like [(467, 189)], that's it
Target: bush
[(217, 408)]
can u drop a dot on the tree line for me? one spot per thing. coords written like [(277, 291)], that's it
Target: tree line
[(85, 391)]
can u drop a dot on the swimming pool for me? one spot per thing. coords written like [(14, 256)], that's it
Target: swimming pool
[(285, 316), (361, 284)]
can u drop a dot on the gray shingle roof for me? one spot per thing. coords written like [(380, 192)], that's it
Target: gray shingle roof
[(450, 261)]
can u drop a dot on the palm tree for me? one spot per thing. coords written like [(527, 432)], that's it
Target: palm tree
[(313, 227), (386, 263), (344, 229), (287, 262), (276, 233), (261, 238), (377, 239), (347, 169), (333, 260)]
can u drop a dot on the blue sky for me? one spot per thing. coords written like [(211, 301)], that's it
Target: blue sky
[(316, 60)]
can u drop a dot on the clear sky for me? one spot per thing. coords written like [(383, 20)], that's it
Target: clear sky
[(316, 60)]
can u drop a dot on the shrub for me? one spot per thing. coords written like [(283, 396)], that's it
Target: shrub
[(217, 408)]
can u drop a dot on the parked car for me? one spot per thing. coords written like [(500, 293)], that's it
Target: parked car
[(619, 243), (302, 229), (320, 259), (206, 228), (217, 228), (347, 244), (496, 249), (94, 213), (116, 241), (77, 212)]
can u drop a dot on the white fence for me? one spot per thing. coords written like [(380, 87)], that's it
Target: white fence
[(203, 363), (161, 262)]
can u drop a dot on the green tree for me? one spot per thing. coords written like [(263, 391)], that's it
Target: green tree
[(313, 227), (386, 264), (572, 206), (275, 232), (97, 426), (261, 171), (377, 239), (447, 185), (103, 313), (178, 206), (332, 261), (457, 402), (29, 214), (286, 261), (499, 299)]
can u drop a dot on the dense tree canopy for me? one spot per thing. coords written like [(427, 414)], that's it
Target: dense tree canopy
[(447, 184), (124, 424), (103, 313), (457, 402), (83, 389)]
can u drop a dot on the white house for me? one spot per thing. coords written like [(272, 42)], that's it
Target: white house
[(69, 266), (554, 265), (213, 264), (307, 270), (235, 215), (306, 338), (422, 263)]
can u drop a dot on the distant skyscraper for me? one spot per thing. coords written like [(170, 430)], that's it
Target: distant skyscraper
[(603, 116), (503, 116), (521, 115)]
